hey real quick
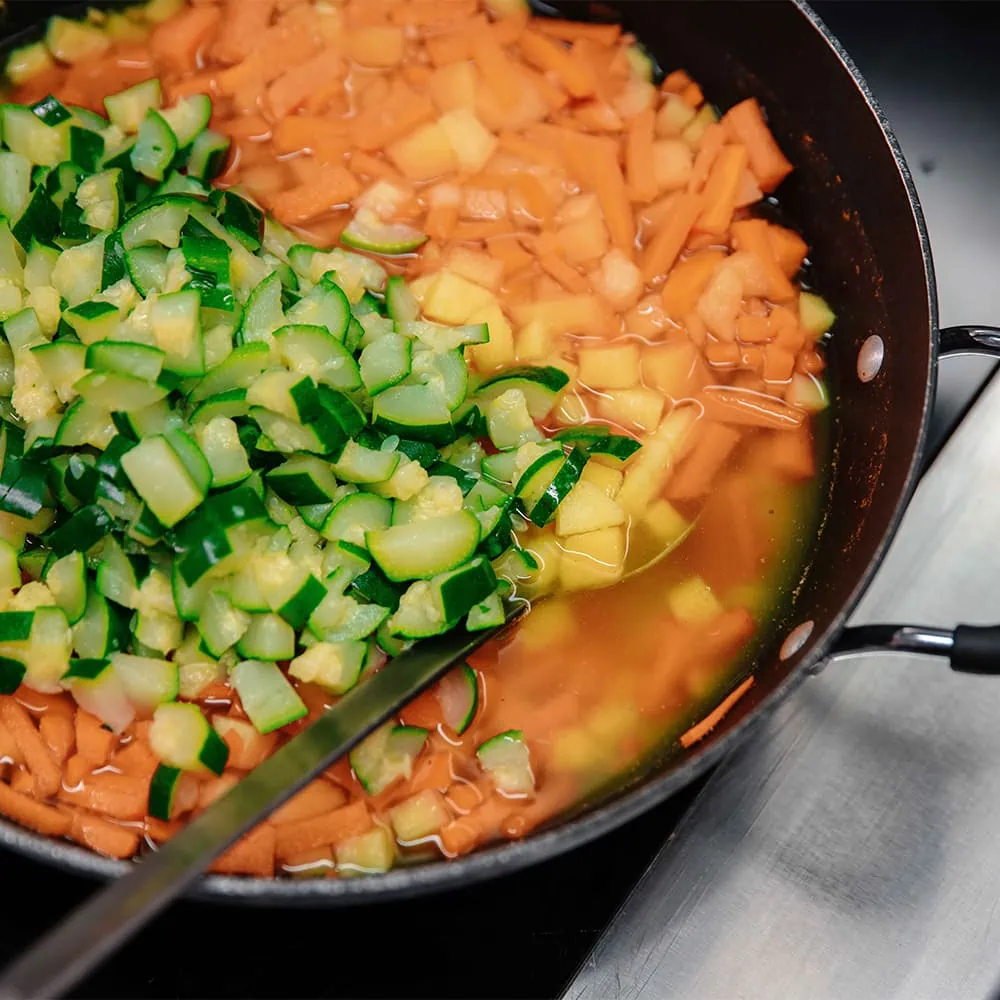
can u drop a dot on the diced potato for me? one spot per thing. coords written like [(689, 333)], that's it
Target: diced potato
[(498, 352), (476, 266), (419, 287), (606, 479), (453, 299), (693, 602), (419, 816), (639, 408), (423, 154), (547, 553), (672, 163), (576, 751), (28, 61), (593, 559), (549, 624), (571, 409), (373, 851), (615, 367), (472, 143), (695, 129), (587, 508), (676, 369), (585, 315), (674, 116), (815, 316), (454, 86), (651, 467), (618, 280), (534, 341), (75, 41), (584, 240), (666, 522)]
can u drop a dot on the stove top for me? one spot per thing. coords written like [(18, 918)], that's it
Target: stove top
[(929, 64)]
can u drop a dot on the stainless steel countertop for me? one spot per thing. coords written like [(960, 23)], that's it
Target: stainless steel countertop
[(852, 849)]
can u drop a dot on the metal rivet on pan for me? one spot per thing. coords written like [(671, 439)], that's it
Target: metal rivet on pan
[(796, 639), (870, 358)]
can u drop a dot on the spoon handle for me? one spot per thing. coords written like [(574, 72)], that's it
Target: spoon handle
[(64, 955)]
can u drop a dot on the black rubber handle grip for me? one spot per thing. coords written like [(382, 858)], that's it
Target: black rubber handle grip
[(976, 649)]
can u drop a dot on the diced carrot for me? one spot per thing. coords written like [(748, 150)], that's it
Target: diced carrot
[(461, 835), (754, 329), (533, 196), (190, 84), (252, 855), (508, 250), (121, 796), (299, 132), (333, 186), (639, 157), (39, 760), (281, 47), (719, 195), (441, 221), (748, 192), (214, 788), (703, 728), (549, 56), (518, 145), (711, 145), (178, 41), (247, 747), (788, 249), (508, 29), (561, 272), (109, 839), (481, 229), (779, 364), (245, 22), (379, 47), (433, 771), (769, 164), (93, 741), (44, 704), (308, 834), (252, 127), (750, 409), (692, 96), (497, 69), (9, 751), (292, 89), (449, 47), (556, 794), (57, 732), (317, 798), (570, 31), (22, 782), (687, 280), (160, 831), (25, 810), (422, 12), (722, 354), (136, 759), (791, 453), (669, 239), (75, 770), (810, 362), (694, 477), (751, 235), (676, 81)]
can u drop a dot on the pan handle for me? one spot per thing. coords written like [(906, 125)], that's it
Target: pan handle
[(971, 649)]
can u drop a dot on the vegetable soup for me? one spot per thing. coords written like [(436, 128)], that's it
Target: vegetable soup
[(331, 325)]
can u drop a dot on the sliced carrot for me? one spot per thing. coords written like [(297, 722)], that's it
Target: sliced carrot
[(720, 190), (498, 70), (292, 89), (417, 13), (702, 729), (9, 752), (109, 839), (450, 46), (58, 734), (461, 835), (178, 41), (791, 454), (464, 796), (245, 22), (93, 741), (570, 31), (687, 280), (723, 354), (565, 275), (711, 145), (75, 770), (299, 132), (549, 56), (25, 810), (669, 239), (121, 796), (375, 46), (316, 799), (38, 759), (676, 81), (160, 831), (135, 759), (769, 164), (252, 855), (751, 235), (518, 145), (779, 363), (44, 704), (281, 47), (481, 229), (534, 197), (692, 96), (695, 475), (252, 127), (508, 250), (333, 186), (557, 793), (639, 156), (754, 329), (21, 781), (749, 409), (434, 770), (788, 249), (308, 834), (748, 192), (192, 83)]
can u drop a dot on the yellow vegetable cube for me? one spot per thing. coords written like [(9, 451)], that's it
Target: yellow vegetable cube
[(571, 409), (476, 266), (606, 479), (498, 352), (815, 315), (593, 559), (674, 116), (693, 602), (545, 550), (419, 816), (615, 367), (587, 508), (666, 522), (453, 86), (472, 142), (650, 469), (423, 154), (453, 299), (551, 623), (675, 369), (639, 408), (534, 341)]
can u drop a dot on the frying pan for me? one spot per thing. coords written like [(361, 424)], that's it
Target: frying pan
[(853, 199)]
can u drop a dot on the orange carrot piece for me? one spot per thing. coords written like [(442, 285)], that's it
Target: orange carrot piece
[(669, 239), (508, 250), (177, 42), (748, 192), (549, 56), (75, 770), (754, 329), (433, 771), (9, 751), (93, 741), (743, 407), (402, 112), (45, 704), (316, 799), (556, 794), (333, 186), (639, 156), (281, 47), (687, 280), (449, 47), (534, 152), (769, 164), (791, 454), (37, 757), (464, 796), (214, 788), (375, 46), (779, 363), (534, 197), (109, 839), (474, 231), (292, 89), (366, 165), (251, 127), (299, 132), (57, 732), (694, 478), (711, 145), (160, 831), (441, 221), (700, 730), (21, 781), (692, 96), (461, 835), (307, 835), (560, 271), (788, 249), (38, 817), (570, 31), (136, 759), (418, 13), (245, 23), (252, 855), (752, 235), (676, 81), (121, 796), (497, 69), (723, 354), (719, 195)]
